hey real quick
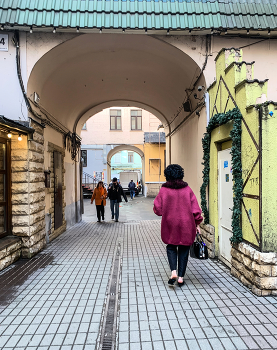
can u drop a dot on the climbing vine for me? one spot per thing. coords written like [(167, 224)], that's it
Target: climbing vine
[(217, 120)]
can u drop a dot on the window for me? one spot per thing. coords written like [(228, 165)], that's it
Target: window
[(154, 167), (84, 155), (84, 126), (130, 157), (115, 119), (136, 120), (117, 157)]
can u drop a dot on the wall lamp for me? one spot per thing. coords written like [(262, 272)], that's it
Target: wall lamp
[(100, 30), (31, 29), (54, 30), (186, 106), (167, 33), (77, 29), (2, 27), (9, 134), (19, 137)]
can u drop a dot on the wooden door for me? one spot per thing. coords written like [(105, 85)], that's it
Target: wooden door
[(58, 190), (5, 188)]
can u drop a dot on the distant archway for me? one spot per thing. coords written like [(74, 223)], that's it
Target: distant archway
[(125, 148)]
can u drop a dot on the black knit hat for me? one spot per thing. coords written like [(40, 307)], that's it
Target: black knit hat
[(114, 179), (174, 172)]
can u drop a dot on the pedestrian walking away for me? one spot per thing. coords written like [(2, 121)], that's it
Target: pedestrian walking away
[(132, 188), (115, 191), (181, 217), (100, 195)]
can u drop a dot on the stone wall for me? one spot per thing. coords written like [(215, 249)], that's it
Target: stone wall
[(10, 251), (28, 198), (55, 233), (208, 235), (152, 189), (256, 270)]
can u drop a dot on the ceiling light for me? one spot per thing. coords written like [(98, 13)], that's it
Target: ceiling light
[(19, 138), (9, 135)]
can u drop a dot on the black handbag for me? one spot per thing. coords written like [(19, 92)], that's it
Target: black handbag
[(199, 250)]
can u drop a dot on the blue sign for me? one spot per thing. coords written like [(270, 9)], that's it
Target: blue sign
[(225, 164)]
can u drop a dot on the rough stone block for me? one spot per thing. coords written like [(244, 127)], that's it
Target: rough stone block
[(19, 154), (261, 270), (20, 177), (31, 251), (37, 217), (36, 157), (37, 137), (39, 129), (21, 231), (246, 261), (37, 177), (13, 247), (20, 209), (21, 198), (266, 282), (36, 167), (246, 282), (19, 188), (36, 147), (265, 258), (21, 220), (238, 266), (256, 291), (28, 242), (8, 260), (36, 207), (20, 166), (37, 197), (57, 232), (236, 254), (274, 271)]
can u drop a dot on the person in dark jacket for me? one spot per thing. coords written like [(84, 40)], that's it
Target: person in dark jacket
[(181, 217), (132, 187), (115, 192)]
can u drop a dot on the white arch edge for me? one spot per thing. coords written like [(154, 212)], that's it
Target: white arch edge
[(116, 103)]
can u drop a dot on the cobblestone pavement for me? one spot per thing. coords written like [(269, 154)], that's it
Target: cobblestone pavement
[(60, 304)]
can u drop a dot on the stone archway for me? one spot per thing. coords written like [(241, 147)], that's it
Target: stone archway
[(124, 148)]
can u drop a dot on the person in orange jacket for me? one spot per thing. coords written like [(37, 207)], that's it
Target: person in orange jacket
[(100, 195)]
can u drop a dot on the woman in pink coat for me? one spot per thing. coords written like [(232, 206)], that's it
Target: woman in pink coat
[(181, 216)]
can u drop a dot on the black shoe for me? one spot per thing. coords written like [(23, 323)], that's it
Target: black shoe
[(116, 220), (98, 220), (180, 284), (103, 219), (112, 217), (171, 281)]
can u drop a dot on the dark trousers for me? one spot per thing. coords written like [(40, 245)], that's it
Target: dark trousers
[(183, 253), (100, 212)]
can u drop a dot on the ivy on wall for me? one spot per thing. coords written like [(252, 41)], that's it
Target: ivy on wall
[(215, 121)]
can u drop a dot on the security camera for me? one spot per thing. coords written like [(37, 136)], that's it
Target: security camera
[(200, 88)]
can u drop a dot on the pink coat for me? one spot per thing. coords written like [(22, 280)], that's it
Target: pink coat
[(180, 212)]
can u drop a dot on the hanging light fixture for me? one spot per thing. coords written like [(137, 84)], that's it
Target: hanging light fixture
[(54, 30), (19, 137), (9, 135), (31, 29)]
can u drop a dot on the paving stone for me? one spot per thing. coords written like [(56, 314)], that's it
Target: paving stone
[(60, 307)]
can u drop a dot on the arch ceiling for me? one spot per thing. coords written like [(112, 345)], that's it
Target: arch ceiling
[(93, 69)]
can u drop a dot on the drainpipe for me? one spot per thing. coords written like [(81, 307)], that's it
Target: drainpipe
[(207, 102)]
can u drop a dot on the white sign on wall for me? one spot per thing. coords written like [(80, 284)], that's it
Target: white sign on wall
[(4, 42)]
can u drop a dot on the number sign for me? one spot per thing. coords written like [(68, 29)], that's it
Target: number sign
[(4, 42)]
